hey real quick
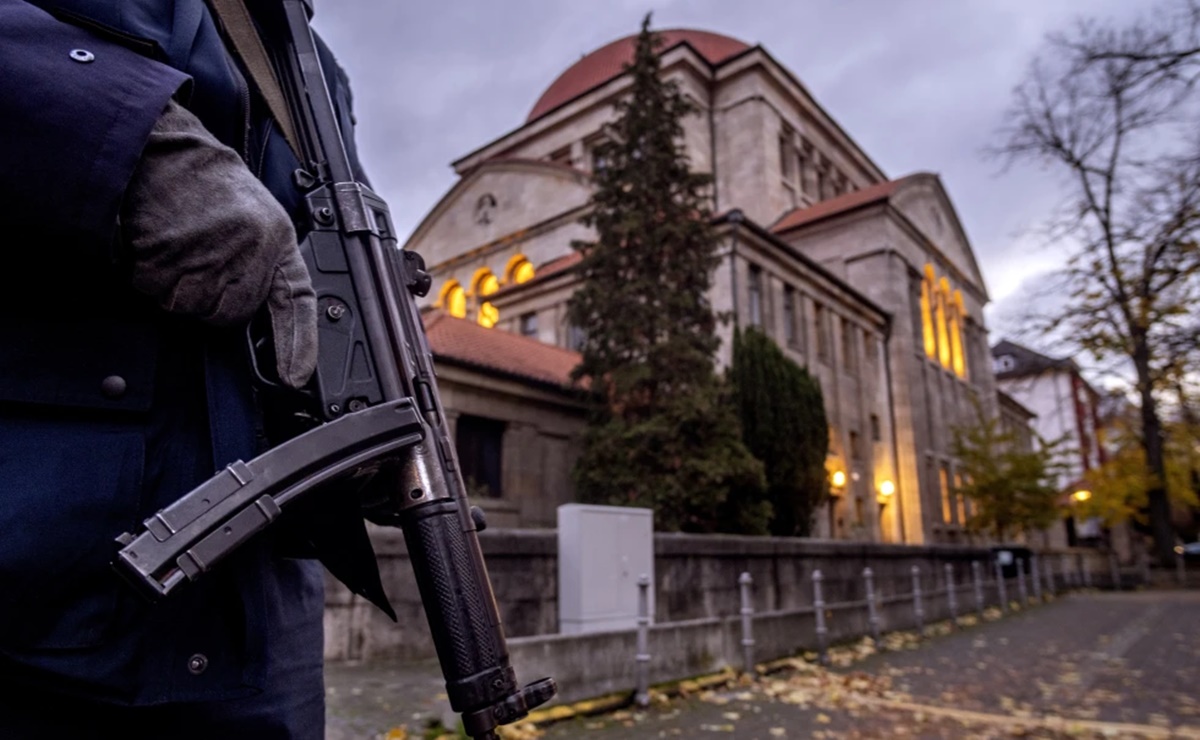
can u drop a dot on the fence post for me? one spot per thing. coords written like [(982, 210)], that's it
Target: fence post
[(1114, 569), (977, 577), (819, 613), (1181, 569), (918, 608), (872, 612), (1064, 565), (1035, 563), (744, 581), (642, 697), (1086, 564), (1022, 594), (1144, 567), (1049, 577), (951, 594), (1001, 587)]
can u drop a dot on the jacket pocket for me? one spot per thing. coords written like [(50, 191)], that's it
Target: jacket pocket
[(66, 491)]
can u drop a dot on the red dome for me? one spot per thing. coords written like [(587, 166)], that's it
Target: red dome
[(608, 61)]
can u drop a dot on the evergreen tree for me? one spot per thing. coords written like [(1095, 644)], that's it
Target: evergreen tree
[(664, 434), (783, 419)]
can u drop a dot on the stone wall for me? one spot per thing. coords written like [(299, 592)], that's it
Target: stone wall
[(696, 580)]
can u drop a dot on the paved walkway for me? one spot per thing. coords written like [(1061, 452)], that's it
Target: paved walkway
[(1087, 665)]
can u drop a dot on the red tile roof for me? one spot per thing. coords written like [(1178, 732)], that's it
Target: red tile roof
[(492, 349), (842, 203), (608, 61)]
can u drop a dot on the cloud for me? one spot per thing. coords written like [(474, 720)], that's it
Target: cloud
[(920, 85)]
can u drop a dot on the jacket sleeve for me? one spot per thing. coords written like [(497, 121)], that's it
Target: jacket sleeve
[(75, 113)]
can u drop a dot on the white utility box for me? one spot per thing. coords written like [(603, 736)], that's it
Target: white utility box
[(602, 550)]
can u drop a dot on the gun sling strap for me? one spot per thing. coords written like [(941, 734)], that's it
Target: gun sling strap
[(248, 46)]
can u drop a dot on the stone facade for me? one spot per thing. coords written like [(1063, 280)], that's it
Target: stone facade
[(869, 282)]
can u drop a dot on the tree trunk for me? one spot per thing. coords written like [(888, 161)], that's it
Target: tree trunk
[(1152, 442)]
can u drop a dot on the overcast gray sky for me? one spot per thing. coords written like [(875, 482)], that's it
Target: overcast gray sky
[(920, 84)]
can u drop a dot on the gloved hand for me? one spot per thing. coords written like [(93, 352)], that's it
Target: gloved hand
[(209, 240)]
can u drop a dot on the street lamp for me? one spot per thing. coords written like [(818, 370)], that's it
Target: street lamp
[(1081, 495)]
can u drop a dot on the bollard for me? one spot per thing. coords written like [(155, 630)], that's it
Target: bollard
[(951, 594), (872, 611), (977, 577), (1087, 573), (819, 612), (1022, 594), (1035, 571), (1064, 566), (918, 608), (1050, 590), (744, 581), (642, 697), (1114, 570), (1144, 567), (1180, 569), (1001, 588)]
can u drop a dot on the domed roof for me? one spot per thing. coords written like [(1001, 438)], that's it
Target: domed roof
[(609, 60)]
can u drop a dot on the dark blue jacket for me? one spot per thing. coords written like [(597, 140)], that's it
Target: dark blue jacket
[(109, 408)]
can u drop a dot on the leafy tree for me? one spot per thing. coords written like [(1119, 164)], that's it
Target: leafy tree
[(1112, 110), (664, 434), (1011, 488), (782, 412), (1119, 487)]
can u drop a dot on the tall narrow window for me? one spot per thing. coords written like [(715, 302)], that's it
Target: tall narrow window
[(789, 315), (944, 481), (957, 312), (849, 347), (820, 319), (576, 337), (959, 499), (785, 154), (927, 330), (756, 296), (480, 445), (943, 330)]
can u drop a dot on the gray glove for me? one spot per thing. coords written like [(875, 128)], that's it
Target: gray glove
[(209, 240)]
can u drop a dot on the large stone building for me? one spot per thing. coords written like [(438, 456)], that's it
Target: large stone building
[(867, 280)]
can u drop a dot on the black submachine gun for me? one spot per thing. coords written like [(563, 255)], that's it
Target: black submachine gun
[(375, 415)]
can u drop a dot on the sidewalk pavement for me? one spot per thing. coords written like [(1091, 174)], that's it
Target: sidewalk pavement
[(1086, 665)]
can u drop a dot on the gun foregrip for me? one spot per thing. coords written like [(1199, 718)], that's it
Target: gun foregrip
[(459, 604)]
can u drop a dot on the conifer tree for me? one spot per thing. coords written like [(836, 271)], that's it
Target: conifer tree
[(664, 434), (784, 425)]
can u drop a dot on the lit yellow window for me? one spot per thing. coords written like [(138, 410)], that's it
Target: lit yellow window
[(958, 311), (947, 509), (520, 270), (486, 283), (960, 499), (453, 299), (927, 313), (943, 332)]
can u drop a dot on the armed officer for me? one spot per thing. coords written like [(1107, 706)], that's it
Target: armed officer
[(148, 210)]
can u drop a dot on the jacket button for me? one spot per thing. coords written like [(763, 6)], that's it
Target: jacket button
[(82, 55), (113, 386), (197, 663)]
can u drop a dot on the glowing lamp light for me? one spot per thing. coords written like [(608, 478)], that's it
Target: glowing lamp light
[(838, 479), (887, 488), (1081, 495)]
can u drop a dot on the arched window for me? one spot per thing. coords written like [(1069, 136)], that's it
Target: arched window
[(943, 324), (519, 270), (484, 284), (453, 299), (957, 313), (927, 331)]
